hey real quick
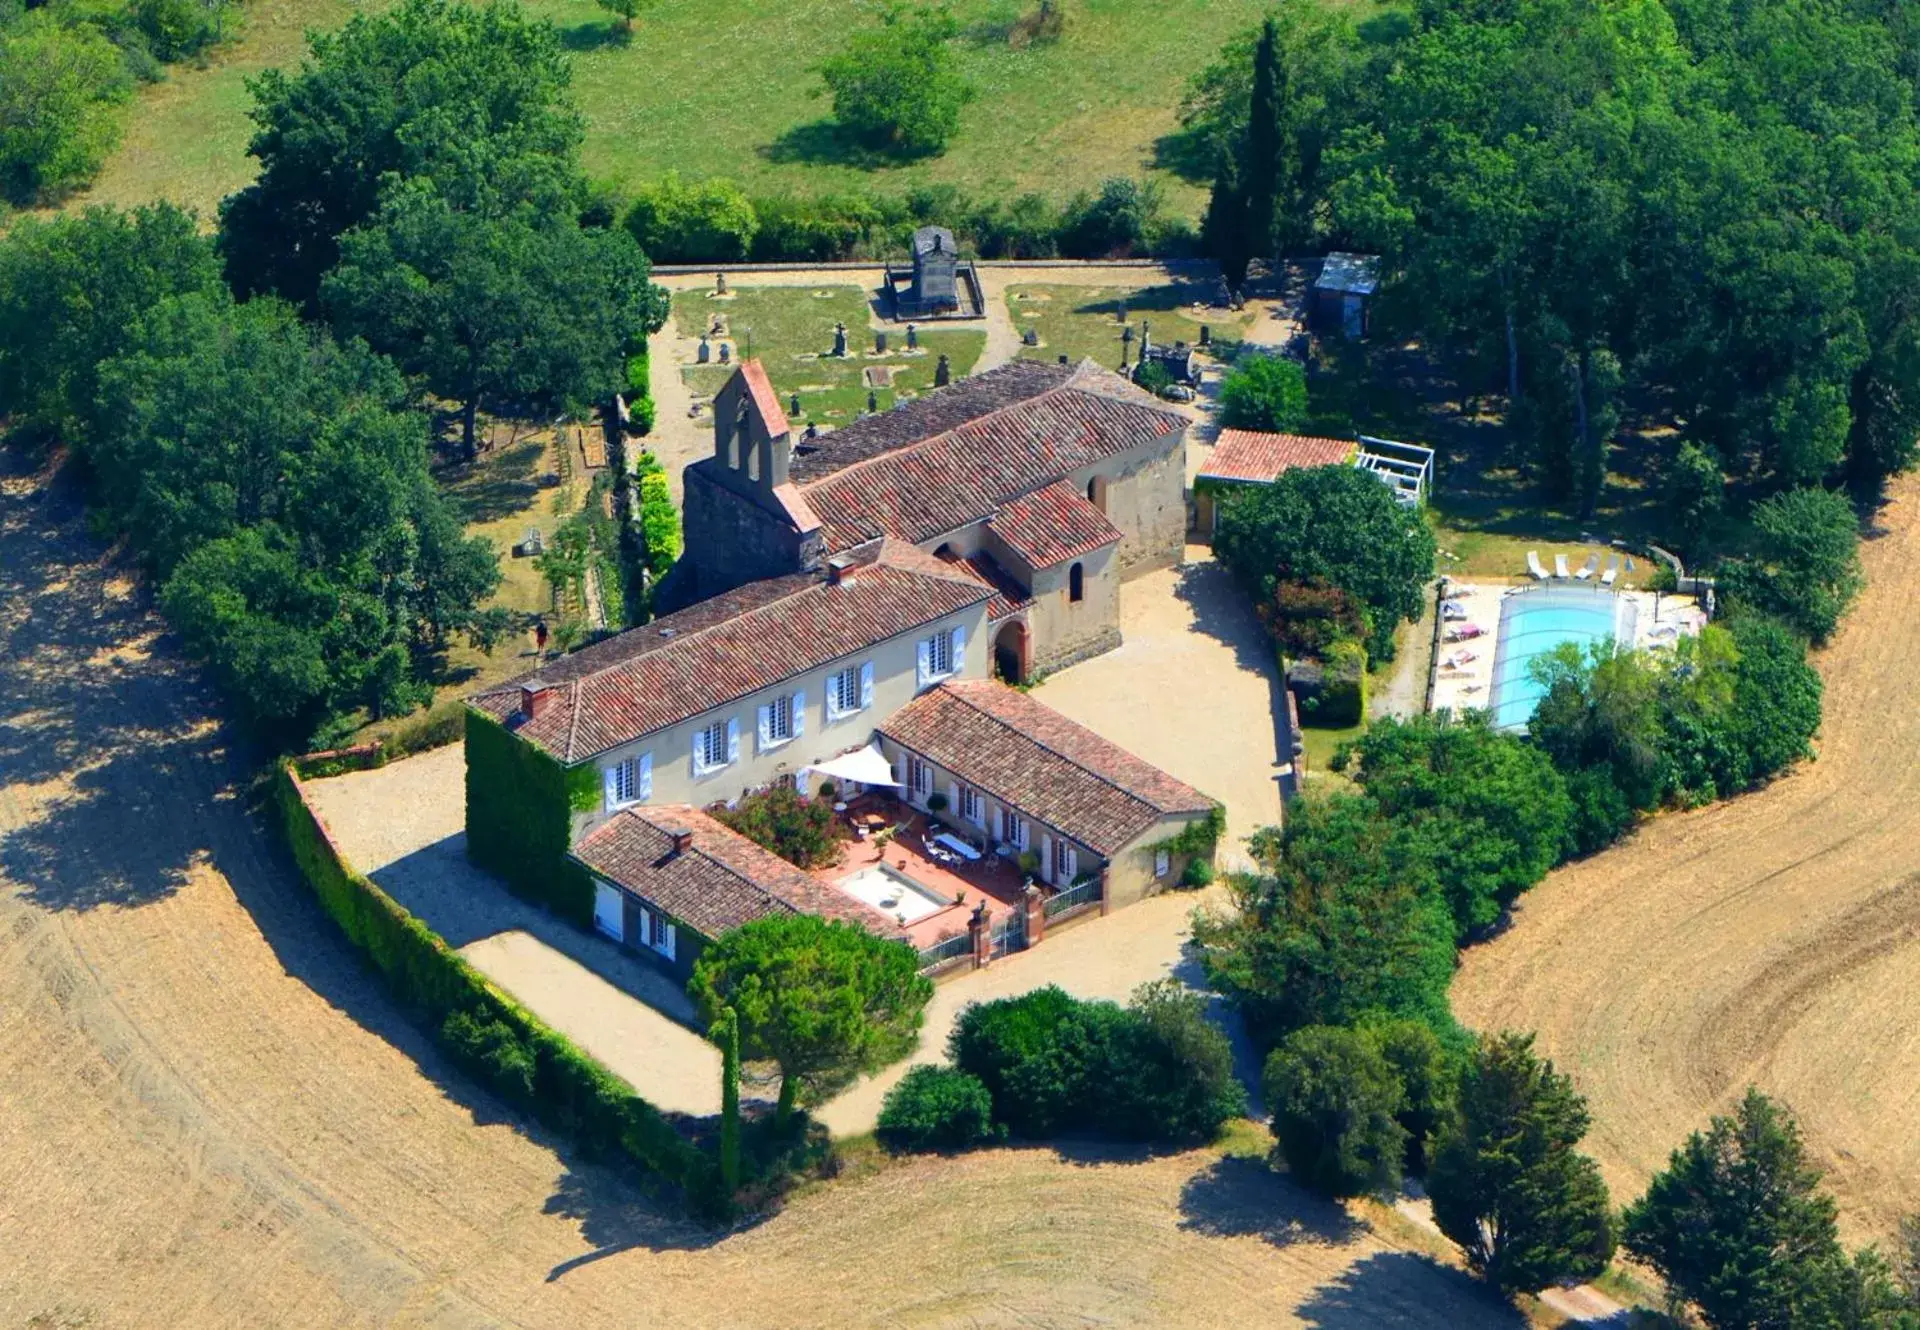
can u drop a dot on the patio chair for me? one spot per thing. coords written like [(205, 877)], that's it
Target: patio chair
[(1534, 566), (1613, 571), (1560, 566), (1587, 569)]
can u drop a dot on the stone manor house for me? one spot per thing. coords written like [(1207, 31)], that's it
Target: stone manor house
[(854, 599)]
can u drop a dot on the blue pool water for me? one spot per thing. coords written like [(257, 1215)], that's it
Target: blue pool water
[(1533, 622)]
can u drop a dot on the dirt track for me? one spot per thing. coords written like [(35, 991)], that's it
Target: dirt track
[(210, 1117), (1773, 940)]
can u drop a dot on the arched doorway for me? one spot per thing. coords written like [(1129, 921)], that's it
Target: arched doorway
[(1010, 652)]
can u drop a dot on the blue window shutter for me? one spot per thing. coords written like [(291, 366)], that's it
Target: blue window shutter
[(960, 650), (699, 757), (733, 740), (866, 684), (645, 790), (799, 713), (766, 726), (926, 660), (610, 779)]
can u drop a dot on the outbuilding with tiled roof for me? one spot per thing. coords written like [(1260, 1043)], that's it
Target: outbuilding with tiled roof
[(1021, 775)]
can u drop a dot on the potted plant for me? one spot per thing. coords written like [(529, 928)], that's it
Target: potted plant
[(936, 802)]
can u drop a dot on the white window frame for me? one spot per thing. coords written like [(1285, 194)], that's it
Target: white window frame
[(849, 691), (776, 722), (948, 642), (714, 745), (1066, 862), (629, 781), (919, 777), (972, 807)]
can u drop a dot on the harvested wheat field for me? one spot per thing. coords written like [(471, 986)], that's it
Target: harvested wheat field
[(210, 1117), (1774, 939)]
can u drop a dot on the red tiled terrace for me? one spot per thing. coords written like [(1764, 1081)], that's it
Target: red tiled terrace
[(997, 882)]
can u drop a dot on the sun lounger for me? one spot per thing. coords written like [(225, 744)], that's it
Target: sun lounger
[(1588, 568), (1613, 571), (1534, 566), (1560, 566)]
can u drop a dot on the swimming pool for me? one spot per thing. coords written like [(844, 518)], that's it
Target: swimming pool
[(1535, 621)]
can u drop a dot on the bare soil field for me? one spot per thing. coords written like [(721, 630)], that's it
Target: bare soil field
[(1773, 940), (210, 1117)]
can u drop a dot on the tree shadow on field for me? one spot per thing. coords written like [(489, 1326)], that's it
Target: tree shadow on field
[(616, 1216), (1403, 1289), (595, 35), (824, 142), (1237, 1197), (1188, 153)]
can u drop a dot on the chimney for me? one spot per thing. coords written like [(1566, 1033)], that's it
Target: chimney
[(682, 841), (536, 695), (841, 569)]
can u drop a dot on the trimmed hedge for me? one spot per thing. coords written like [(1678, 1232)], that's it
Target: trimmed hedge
[(499, 1042), (520, 806)]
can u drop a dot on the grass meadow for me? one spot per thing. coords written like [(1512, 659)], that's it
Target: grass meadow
[(729, 90)]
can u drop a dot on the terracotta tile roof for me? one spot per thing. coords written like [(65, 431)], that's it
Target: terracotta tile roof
[(1009, 597), (1259, 458), (765, 400), (1052, 525), (722, 880), (1052, 769), (722, 649), (955, 455)]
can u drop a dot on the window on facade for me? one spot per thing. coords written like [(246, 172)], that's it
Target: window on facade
[(919, 776), (710, 747), (1076, 582), (843, 691), (940, 654), (1065, 862), (970, 806), (1162, 863), (626, 781), (780, 719), (662, 939)]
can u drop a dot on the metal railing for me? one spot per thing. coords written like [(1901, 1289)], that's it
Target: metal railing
[(947, 949), (1072, 900)]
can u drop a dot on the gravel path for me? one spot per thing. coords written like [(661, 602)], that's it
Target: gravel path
[(403, 826)]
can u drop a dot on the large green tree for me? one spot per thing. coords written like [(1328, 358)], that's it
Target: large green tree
[(1508, 1185), (1335, 1100), (823, 1000), (1336, 525), (471, 97), (72, 292), (1806, 563), (1737, 1226), (1343, 918), (277, 483), (1490, 809), (60, 86), (518, 306), (895, 88)]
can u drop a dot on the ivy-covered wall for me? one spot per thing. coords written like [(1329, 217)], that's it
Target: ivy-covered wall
[(520, 806)]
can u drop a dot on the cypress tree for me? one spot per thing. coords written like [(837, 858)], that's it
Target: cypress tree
[(1262, 168), (726, 1033), (1223, 232)]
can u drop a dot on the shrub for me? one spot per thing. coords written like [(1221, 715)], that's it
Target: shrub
[(937, 1108), (1343, 686), (706, 221), (1601, 813), (895, 88), (1013, 1045), (1806, 564), (1118, 221), (1171, 1077), (800, 830), (1334, 1098), (1306, 617), (1429, 1079), (490, 1050), (937, 802), (1198, 873), (1264, 393), (58, 89)]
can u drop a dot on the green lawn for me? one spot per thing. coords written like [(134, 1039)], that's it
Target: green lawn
[(790, 329), (1083, 321), (727, 90)]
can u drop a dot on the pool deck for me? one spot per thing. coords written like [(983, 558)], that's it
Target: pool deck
[(1461, 685), (991, 881)]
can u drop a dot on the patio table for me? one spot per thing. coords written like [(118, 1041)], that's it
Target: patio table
[(958, 846)]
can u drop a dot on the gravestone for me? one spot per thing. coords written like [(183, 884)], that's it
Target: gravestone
[(873, 401), (793, 405), (913, 338), (880, 342), (942, 372), (813, 431), (1120, 314), (1206, 335), (719, 283), (1126, 336), (717, 327), (1063, 358), (840, 339), (726, 352), (1031, 337), (706, 351)]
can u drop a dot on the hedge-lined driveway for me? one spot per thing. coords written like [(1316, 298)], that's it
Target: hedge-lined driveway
[(403, 825)]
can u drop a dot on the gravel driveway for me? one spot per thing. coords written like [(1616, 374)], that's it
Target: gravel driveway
[(403, 825)]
